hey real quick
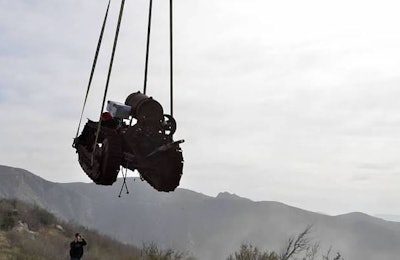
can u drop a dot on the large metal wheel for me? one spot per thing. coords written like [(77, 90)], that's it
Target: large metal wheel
[(165, 170), (111, 158)]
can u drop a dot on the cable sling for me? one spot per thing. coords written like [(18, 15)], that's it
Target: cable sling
[(147, 47), (171, 64), (93, 67), (110, 146), (108, 76), (171, 56)]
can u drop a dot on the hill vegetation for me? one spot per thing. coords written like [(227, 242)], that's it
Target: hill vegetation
[(297, 247), (187, 221), (28, 232)]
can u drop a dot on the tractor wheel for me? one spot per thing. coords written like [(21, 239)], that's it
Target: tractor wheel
[(111, 158)]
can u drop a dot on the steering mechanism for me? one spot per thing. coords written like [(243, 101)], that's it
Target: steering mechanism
[(169, 124)]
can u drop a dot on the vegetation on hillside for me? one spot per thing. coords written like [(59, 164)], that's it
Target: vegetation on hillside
[(28, 232), (299, 247)]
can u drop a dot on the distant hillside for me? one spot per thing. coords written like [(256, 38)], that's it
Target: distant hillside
[(210, 228), (395, 218)]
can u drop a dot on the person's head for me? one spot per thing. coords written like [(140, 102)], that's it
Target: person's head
[(78, 236)]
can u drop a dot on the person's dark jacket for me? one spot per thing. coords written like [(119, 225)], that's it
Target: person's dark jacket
[(76, 250)]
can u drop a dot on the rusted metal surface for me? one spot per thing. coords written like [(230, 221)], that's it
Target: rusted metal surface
[(146, 146)]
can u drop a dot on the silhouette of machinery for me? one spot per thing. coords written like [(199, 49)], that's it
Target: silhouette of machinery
[(146, 146)]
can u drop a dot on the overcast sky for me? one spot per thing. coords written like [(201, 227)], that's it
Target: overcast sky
[(291, 101)]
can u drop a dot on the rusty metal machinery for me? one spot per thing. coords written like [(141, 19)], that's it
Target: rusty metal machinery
[(146, 146)]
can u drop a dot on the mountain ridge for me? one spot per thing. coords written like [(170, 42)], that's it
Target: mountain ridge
[(209, 227)]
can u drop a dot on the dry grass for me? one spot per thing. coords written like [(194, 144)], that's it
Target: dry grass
[(28, 232)]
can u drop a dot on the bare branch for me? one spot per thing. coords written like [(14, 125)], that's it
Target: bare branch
[(312, 251), (297, 244)]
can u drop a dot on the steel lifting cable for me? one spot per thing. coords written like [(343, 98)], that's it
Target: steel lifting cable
[(170, 51), (147, 47), (171, 56), (146, 65), (108, 76), (93, 67)]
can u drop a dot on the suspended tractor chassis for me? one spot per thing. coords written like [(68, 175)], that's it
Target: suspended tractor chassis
[(147, 146)]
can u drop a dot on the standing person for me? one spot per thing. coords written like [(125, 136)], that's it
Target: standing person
[(76, 247)]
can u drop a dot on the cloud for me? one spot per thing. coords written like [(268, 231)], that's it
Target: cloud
[(275, 100)]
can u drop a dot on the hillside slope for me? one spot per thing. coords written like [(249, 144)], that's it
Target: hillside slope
[(29, 232), (210, 228)]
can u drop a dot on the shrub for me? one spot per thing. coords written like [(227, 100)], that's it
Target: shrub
[(249, 252), (300, 246), (150, 251), (7, 221)]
